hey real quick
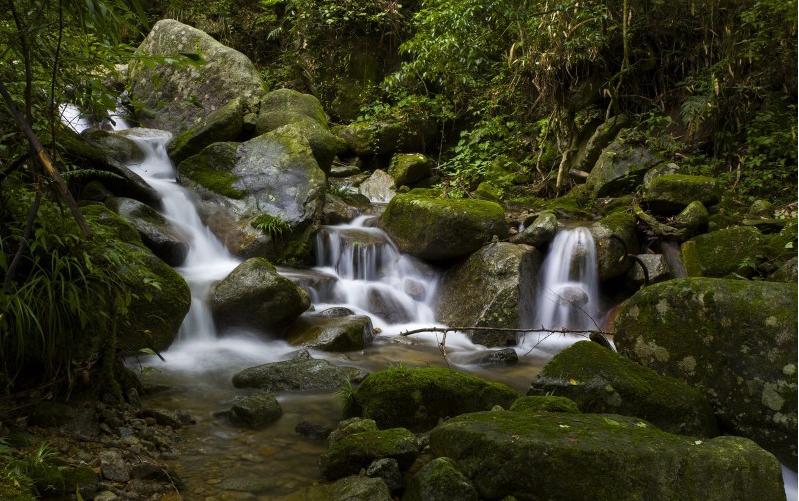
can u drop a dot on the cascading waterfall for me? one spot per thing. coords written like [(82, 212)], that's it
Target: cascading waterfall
[(372, 276), (208, 260)]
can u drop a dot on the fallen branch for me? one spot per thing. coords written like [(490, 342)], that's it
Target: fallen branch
[(658, 229), (502, 329)]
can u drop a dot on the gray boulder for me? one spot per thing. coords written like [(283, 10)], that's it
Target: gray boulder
[(540, 232), (331, 333), (648, 269), (257, 410), (116, 147), (224, 124), (379, 187), (620, 169), (301, 373)]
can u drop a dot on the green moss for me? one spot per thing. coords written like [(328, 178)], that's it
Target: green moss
[(348, 454), (440, 480), (690, 259), (418, 398), (544, 403), (738, 249), (211, 169), (224, 124), (600, 380), (673, 192)]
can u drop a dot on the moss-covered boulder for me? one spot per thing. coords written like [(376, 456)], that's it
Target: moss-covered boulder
[(615, 238), (163, 238), (418, 398), (224, 124), (539, 232), (116, 147), (544, 403), (254, 295), (439, 480), (734, 340), (620, 168), (300, 373), (738, 249), (494, 287), (326, 333), (289, 101), (408, 169), (599, 380), (348, 454), (352, 488), (437, 228), (532, 456), (693, 218), (671, 193), (176, 97), (257, 410), (392, 132)]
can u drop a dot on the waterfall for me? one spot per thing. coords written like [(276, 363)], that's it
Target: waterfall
[(568, 294), (208, 260), (372, 276)]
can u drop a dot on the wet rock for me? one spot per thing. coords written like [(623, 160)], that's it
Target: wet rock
[(385, 304), (353, 488), (497, 451), (737, 249), (415, 289), (620, 168), (106, 496), (162, 417), (117, 147), (379, 187), (440, 480), (436, 228), (418, 398), (388, 470), (257, 410), (540, 232), (351, 426), (615, 237), (544, 403), (316, 283), (660, 170), (301, 373), (113, 466), (314, 431), (177, 97), (599, 380), (347, 455), (337, 211), (255, 295), (490, 289), (336, 312), (408, 169), (331, 333), (671, 193), (224, 124), (493, 358), (164, 239), (734, 340), (657, 270)]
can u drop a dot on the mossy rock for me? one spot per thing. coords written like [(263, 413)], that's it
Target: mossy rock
[(211, 168), (291, 101), (254, 295), (540, 231), (336, 334), (491, 288), (602, 381), (347, 455), (694, 218), (534, 456), (739, 250), (439, 480), (19, 488), (620, 168), (489, 191), (224, 124), (257, 410), (117, 147), (734, 340), (544, 403), (615, 237), (159, 235), (408, 169), (352, 488), (671, 193), (438, 228), (418, 398), (300, 373)]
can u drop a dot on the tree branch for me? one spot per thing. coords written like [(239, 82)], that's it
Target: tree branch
[(501, 329)]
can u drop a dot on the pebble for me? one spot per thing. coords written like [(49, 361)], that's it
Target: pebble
[(113, 466)]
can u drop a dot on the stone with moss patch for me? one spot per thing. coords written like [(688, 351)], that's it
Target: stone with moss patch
[(694, 218), (352, 488), (439, 480), (439, 228), (615, 238), (408, 169), (491, 288), (211, 168), (348, 333), (671, 193), (161, 236), (600, 380), (620, 168), (224, 124), (532, 456), (300, 373), (728, 338), (418, 398), (544, 403), (739, 250), (117, 147), (350, 453), (257, 410), (540, 231)]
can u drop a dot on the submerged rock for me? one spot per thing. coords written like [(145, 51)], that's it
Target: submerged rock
[(493, 358), (734, 340), (599, 380), (436, 228), (490, 289), (440, 480), (533, 455), (348, 454), (418, 398), (327, 332), (176, 97), (301, 373), (257, 410), (166, 241), (254, 295)]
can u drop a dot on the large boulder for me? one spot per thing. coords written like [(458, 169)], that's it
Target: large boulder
[(671, 193), (116, 147), (224, 124), (599, 380), (437, 228), (254, 295), (161, 236), (615, 238), (738, 249), (300, 373), (331, 333), (533, 455), (494, 287), (261, 196), (349, 454), (418, 398), (733, 339), (620, 169), (539, 232), (176, 96), (440, 480)]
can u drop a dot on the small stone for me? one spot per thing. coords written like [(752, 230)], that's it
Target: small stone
[(388, 470), (106, 496), (314, 431), (113, 466), (257, 410), (162, 417)]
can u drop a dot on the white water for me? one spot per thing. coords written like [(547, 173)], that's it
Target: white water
[(77, 121), (568, 293)]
